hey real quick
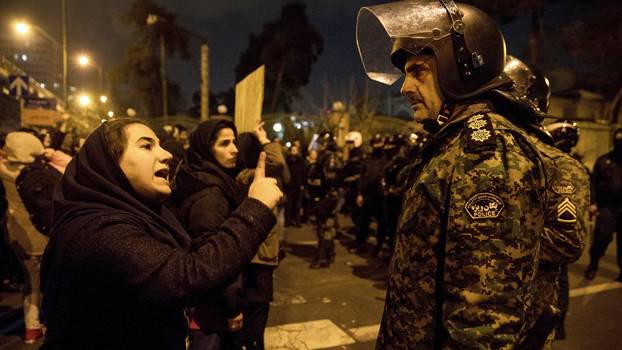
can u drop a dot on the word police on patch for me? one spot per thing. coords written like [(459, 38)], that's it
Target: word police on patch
[(484, 206)]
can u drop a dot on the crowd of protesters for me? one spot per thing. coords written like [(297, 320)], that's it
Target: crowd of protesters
[(107, 258), (151, 233)]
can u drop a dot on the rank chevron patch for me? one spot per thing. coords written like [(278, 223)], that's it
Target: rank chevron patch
[(566, 211)]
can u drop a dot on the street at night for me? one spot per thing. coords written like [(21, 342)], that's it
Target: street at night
[(341, 307), (310, 174)]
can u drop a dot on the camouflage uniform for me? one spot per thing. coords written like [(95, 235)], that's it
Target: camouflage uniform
[(565, 222), (483, 184)]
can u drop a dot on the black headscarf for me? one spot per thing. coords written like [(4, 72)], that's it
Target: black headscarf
[(200, 158), (94, 185)]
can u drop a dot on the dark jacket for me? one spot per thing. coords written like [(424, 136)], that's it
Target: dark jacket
[(205, 206), (124, 290), (35, 185), (298, 171), (606, 181), (206, 195), (370, 184)]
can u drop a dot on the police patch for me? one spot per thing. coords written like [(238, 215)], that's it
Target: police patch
[(566, 211), (484, 206), (480, 135), (564, 187)]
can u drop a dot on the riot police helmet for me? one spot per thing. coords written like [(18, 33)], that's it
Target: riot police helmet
[(565, 134), (466, 43), (355, 138), (540, 92), (528, 83)]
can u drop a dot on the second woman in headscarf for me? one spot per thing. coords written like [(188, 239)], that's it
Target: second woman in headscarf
[(206, 194)]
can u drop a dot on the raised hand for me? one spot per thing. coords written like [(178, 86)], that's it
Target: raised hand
[(264, 189)]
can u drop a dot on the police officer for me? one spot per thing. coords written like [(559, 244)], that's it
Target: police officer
[(370, 198), (462, 273), (324, 183), (393, 184), (565, 228), (352, 172), (607, 203)]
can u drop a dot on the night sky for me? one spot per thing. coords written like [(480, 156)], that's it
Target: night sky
[(95, 27)]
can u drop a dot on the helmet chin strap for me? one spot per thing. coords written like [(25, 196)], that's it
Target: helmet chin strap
[(444, 114), (434, 125)]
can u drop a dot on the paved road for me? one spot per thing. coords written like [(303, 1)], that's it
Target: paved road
[(340, 307)]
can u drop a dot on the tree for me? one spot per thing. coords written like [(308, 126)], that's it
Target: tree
[(137, 80), (288, 47)]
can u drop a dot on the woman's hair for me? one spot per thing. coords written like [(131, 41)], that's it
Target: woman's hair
[(115, 136)]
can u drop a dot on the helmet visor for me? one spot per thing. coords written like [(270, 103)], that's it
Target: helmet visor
[(408, 26)]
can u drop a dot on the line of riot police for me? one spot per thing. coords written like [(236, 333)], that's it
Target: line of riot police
[(362, 185)]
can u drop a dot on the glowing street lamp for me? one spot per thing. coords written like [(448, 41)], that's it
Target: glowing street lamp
[(84, 60), (110, 114), (84, 100), (22, 28), (103, 98)]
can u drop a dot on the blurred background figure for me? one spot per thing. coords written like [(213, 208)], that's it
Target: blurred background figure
[(354, 155), (297, 166), (607, 205), (369, 197)]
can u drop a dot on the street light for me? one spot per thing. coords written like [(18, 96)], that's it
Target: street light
[(84, 100), (84, 60), (103, 98), (23, 28)]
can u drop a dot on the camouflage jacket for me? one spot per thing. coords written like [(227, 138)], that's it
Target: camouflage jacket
[(482, 183), (565, 220), (568, 199)]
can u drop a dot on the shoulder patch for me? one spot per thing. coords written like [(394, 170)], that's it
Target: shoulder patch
[(566, 211), (484, 206), (480, 134), (564, 187)]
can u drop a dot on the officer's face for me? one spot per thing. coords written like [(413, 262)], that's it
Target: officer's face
[(421, 87)]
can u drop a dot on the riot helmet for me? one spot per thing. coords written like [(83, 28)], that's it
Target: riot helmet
[(528, 83), (355, 138), (468, 47), (521, 75), (565, 134), (540, 92)]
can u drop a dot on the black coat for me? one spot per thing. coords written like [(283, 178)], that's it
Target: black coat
[(125, 290), (206, 195), (298, 172)]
